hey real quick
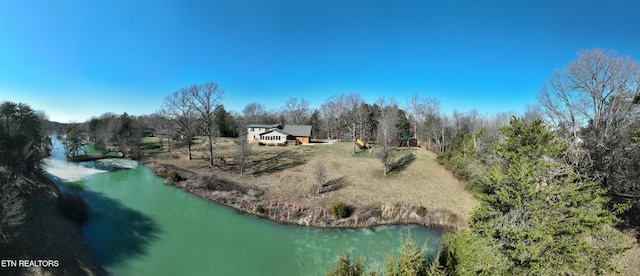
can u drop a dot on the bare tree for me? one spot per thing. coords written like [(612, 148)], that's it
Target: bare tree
[(594, 100), (387, 132), (254, 113), (243, 152), (346, 116), (206, 97), (432, 121), (420, 109), (296, 111), (178, 108), (321, 175), (11, 211)]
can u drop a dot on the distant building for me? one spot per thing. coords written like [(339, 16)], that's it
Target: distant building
[(301, 133), (254, 131), (275, 134)]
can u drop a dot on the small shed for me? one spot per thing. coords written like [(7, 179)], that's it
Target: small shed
[(405, 141), (413, 142)]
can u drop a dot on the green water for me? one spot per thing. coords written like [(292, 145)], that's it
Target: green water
[(139, 226)]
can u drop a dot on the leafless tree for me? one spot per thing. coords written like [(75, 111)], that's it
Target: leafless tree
[(178, 108), (243, 152), (11, 211), (296, 111), (346, 116), (593, 99), (254, 113), (321, 175), (430, 109), (206, 97), (419, 109), (387, 131)]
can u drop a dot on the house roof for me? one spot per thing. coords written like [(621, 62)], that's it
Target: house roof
[(264, 125), (298, 130), (275, 130)]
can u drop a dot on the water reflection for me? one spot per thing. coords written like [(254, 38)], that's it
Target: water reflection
[(116, 233)]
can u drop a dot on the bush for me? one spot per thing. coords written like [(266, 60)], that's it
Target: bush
[(259, 209), (340, 210), (175, 176), (421, 211), (376, 213), (74, 207), (453, 218)]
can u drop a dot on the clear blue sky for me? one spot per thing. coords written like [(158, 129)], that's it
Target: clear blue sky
[(76, 59)]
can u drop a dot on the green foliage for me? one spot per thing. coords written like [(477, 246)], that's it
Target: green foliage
[(175, 176), (421, 211), (465, 253), (345, 267), (21, 140), (74, 207), (412, 260), (463, 160), (538, 215), (340, 210), (75, 143)]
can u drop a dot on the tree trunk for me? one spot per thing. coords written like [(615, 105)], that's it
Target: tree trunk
[(354, 138), (210, 151), (189, 147)]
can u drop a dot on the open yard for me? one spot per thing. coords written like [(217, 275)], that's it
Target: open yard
[(288, 174)]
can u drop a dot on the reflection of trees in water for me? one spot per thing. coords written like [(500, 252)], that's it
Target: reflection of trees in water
[(116, 233)]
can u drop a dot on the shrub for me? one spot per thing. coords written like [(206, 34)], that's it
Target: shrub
[(259, 209), (74, 207), (376, 213), (421, 211), (453, 217), (175, 176), (340, 210)]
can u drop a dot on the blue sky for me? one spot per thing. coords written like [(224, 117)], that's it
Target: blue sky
[(77, 59)]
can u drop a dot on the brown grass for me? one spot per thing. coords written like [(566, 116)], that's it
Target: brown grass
[(287, 175)]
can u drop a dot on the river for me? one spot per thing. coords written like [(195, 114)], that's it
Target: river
[(140, 226)]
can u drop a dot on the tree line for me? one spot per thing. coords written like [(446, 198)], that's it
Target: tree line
[(573, 150), (551, 182), (22, 146)]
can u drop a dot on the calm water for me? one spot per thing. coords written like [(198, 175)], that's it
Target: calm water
[(139, 226)]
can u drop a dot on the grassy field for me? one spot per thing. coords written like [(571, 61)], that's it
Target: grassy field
[(288, 174)]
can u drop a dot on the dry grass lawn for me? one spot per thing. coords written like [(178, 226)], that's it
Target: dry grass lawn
[(288, 174)]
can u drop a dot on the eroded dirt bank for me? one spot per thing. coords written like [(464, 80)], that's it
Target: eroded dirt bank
[(254, 201), (50, 243)]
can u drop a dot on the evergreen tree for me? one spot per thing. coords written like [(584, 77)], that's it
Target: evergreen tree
[(411, 261), (539, 216), (75, 143), (345, 267)]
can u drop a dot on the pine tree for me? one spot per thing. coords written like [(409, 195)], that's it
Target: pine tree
[(539, 216), (344, 267)]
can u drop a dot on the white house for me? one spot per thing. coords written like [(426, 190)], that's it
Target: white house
[(274, 137), (254, 131)]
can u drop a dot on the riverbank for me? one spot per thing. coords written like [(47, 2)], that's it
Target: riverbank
[(255, 201), (280, 184), (47, 235)]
